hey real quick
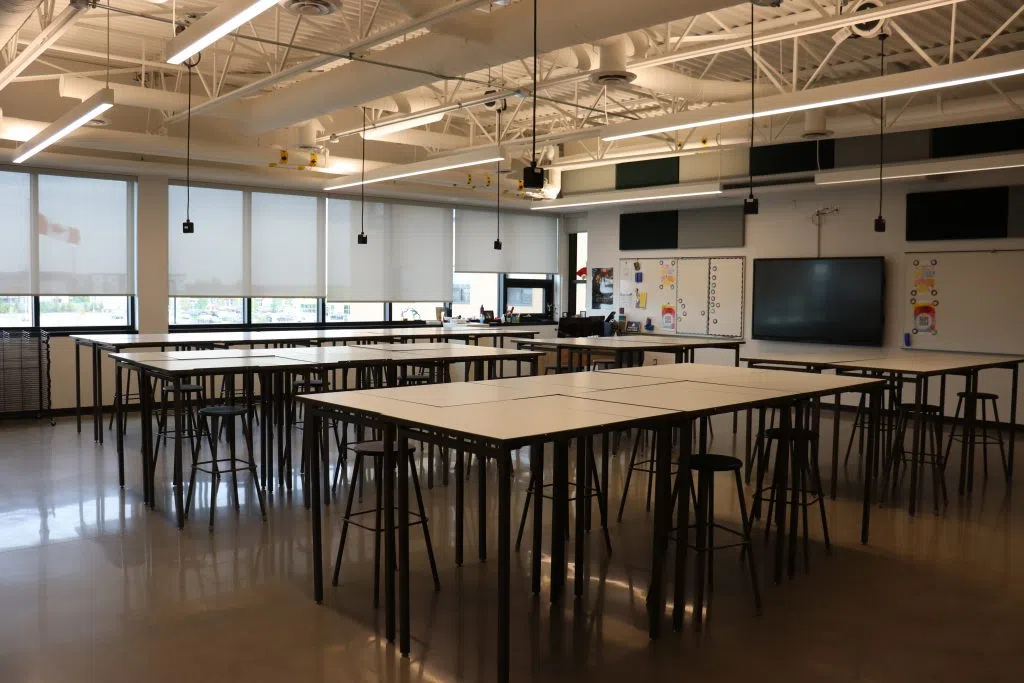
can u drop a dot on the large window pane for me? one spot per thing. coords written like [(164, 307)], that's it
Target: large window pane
[(418, 310), (211, 261), (283, 246), (283, 310), (84, 236), (530, 242), (15, 311), (526, 299), (83, 311), (360, 312), (205, 311), (470, 291), (16, 254)]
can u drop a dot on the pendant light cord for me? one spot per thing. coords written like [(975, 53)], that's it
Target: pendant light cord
[(497, 179), (535, 62), (750, 152), (108, 45), (188, 147), (881, 131), (362, 180)]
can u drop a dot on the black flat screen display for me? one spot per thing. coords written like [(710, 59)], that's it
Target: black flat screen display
[(826, 301)]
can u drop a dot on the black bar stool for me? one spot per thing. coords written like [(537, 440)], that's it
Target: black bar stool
[(375, 451), (802, 491), (192, 396), (227, 413), (706, 466), (982, 401), (899, 456)]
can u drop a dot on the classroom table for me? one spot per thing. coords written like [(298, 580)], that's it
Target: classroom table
[(920, 366), (627, 349), (500, 423), (115, 343)]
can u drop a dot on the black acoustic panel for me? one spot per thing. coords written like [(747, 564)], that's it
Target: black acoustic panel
[(978, 138), (794, 157), (711, 228), (650, 173), (651, 230), (975, 214)]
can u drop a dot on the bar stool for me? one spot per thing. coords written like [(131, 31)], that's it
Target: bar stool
[(803, 490), (706, 466), (124, 396), (862, 424), (982, 401), (374, 450), (215, 414), (591, 490), (899, 456), (192, 396)]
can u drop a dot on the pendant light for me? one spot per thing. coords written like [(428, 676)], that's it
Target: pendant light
[(880, 221), (497, 183), (533, 177), (361, 237), (188, 227), (750, 204)]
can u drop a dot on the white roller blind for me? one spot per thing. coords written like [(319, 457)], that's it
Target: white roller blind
[(85, 236), (529, 243), (211, 261), (16, 222), (407, 256), (284, 260)]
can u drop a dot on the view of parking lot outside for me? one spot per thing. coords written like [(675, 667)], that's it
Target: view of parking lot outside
[(205, 311), (15, 311)]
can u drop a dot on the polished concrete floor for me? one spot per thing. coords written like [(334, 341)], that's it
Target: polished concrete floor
[(94, 587)]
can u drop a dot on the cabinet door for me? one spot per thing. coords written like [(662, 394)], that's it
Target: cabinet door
[(692, 299), (725, 296)]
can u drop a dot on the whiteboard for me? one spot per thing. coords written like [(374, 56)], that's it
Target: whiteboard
[(682, 287), (725, 296), (692, 302), (964, 301)]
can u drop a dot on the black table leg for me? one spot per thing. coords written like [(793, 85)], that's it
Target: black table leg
[(835, 443), (504, 559), (1013, 422), (96, 417), (875, 399), (460, 503), (559, 508), (146, 399), (78, 386), (915, 453), (120, 427), (537, 470), (736, 363), (312, 450), (780, 481), (662, 526), (388, 496), (179, 419), (682, 522), (402, 460), (582, 498)]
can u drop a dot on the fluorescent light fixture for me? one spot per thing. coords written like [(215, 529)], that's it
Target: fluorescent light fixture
[(385, 129), (973, 164), (648, 194), (893, 85), (80, 115), (213, 26), (483, 156)]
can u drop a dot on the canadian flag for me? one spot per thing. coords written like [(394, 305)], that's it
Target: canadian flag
[(64, 233)]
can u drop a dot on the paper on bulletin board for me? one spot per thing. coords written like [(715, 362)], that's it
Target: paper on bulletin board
[(641, 299), (625, 287), (668, 317), (667, 274), (924, 319)]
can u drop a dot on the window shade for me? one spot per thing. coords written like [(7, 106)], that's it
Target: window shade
[(211, 261), (283, 250), (529, 243), (16, 254), (408, 255), (85, 236)]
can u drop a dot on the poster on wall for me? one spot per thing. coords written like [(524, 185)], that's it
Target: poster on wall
[(924, 296), (668, 318), (667, 275), (602, 288)]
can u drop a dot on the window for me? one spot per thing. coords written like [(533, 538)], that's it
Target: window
[(16, 254), (84, 311), (470, 291), (15, 311), (530, 242), (209, 262), (206, 311), (422, 310), (362, 312), (284, 249), (283, 310)]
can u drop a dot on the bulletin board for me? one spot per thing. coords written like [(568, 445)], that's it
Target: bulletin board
[(964, 301), (683, 295)]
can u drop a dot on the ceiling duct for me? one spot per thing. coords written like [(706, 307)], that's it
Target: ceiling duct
[(867, 29), (311, 8), (612, 66), (815, 127)]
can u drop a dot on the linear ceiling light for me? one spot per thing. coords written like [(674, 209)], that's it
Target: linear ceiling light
[(213, 26), (80, 115), (650, 194), (477, 158), (974, 164), (385, 129), (947, 76)]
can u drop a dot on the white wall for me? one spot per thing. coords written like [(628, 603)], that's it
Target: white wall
[(784, 228)]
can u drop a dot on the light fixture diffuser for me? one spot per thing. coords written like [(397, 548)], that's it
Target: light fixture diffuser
[(893, 85), (385, 129), (79, 115), (213, 26), (972, 164), (648, 194), (447, 163)]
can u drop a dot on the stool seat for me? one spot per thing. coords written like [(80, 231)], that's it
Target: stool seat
[(793, 433), (927, 408), (374, 448), (977, 395), (713, 462), (229, 410), (185, 388)]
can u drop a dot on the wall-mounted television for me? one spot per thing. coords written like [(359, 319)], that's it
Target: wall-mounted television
[(820, 300)]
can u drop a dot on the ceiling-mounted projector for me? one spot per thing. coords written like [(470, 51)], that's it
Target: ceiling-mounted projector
[(533, 177)]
